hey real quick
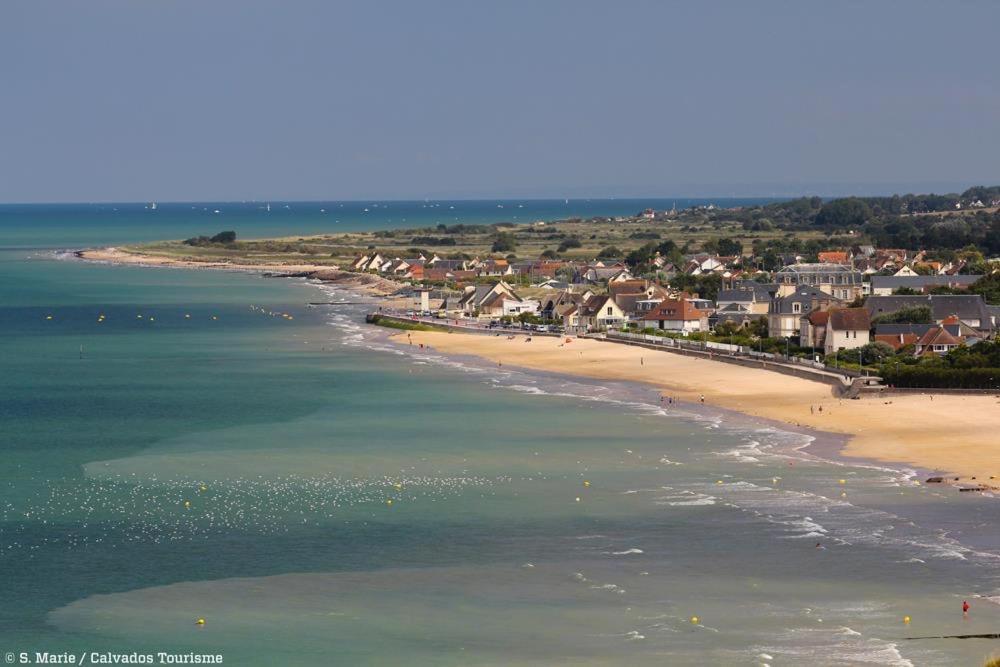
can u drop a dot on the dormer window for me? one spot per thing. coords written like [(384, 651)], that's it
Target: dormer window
[(796, 307)]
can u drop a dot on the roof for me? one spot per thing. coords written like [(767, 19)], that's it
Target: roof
[(593, 305), (833, 257), (938, 336), (675, 309), (850, 319), (966, 306), (738, 295), (919, 282), (821, 267), (897, 340), (819, 318), (627, 302), (762, 291), (803, 294)]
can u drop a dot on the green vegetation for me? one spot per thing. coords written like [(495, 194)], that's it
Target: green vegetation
[(222, 238), (914, 315), (405, 326), (505, 242), (973, 367)]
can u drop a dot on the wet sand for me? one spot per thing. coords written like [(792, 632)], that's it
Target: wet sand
[(955, 435)]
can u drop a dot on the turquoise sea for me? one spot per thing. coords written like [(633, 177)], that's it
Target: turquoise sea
[(174, 448)]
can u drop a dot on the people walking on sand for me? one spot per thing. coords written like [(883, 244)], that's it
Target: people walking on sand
[(703, 398), (812, 409)]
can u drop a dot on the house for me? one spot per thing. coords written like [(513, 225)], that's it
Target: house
[(846, 329), (784, 315), (599, 274), (905, 271), (812, 329), (901, 335), (493, 268), (371, 262), (600, 312), (678, 314), (886, 285), (937, 340), (969, 309), (835, 257), (646, 288), (438, 275), (554, 307), (837, 280), (754, 297), (493, 301)]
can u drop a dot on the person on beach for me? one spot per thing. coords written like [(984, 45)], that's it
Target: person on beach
[(812, 409), (965, 607), (703, 398)]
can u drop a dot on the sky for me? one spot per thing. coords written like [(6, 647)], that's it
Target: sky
[(177, 100)]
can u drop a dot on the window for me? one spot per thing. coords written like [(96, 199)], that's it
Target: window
[(609, 310), (796, 307)]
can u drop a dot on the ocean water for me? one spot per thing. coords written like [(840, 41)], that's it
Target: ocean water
[(213, 448)]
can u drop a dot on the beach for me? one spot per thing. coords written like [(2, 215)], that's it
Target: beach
[(952, 435)]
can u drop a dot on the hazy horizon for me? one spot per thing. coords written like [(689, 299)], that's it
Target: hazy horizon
[(115, 101)]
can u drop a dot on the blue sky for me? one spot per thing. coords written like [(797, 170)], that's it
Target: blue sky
[(136, 100)]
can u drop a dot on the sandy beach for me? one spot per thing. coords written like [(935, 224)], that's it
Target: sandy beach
[(954, 435)]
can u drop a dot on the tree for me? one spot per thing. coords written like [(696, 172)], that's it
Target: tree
[(504, 242), (571, 242), (549, 254), (912, 315), (849, 212), (609, 252), (224, 237), (729, 247)]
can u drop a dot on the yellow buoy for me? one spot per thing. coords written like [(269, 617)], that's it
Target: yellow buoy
[(200, 621), (578, 499), (187, 504), (48, 317), (397, 485), (203, 488), (214, 317), (718, 481), (695, 619), (586, 482), (906, 619), (388, 502), (843, 481)]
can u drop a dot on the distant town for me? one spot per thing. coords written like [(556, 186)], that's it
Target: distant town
[(903, 287)]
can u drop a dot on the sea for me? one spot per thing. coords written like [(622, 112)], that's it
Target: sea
[(197, 463)]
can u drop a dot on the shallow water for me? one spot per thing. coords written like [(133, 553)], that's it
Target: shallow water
[(240, 469)]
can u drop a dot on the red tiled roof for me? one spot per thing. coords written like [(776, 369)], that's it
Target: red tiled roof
[(819, 318), (898, 340), (674, 309), (834, 257)]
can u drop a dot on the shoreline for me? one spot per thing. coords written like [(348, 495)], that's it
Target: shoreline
[(374, 285), (946, 436)]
